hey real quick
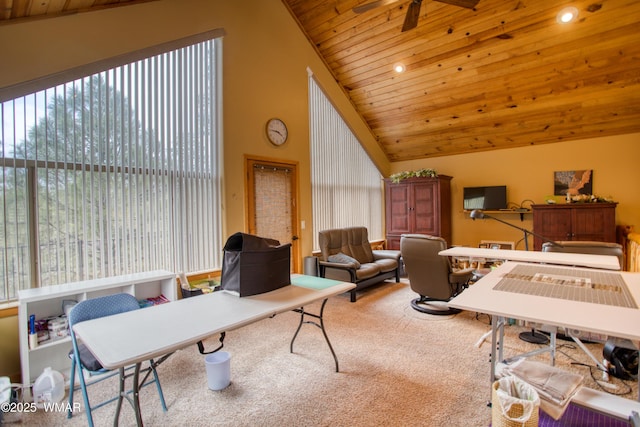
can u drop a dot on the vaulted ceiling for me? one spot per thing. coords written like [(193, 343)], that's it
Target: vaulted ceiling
[(502, 74), (12, 10)]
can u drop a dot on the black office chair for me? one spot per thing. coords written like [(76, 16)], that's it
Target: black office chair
[(430, 274)]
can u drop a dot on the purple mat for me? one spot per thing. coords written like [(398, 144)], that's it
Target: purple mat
[(576, 416)]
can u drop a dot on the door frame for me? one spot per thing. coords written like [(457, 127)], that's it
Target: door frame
[(250, 205)]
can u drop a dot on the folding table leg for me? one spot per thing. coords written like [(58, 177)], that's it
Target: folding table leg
[(136, 394), (135, 401), (121, 395), (319, 325)]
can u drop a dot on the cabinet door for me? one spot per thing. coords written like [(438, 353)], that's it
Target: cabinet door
[(425, 208), (597, 224), (398, 209), (554, 224)]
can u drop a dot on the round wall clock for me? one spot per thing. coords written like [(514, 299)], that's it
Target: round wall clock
[(277, 131)]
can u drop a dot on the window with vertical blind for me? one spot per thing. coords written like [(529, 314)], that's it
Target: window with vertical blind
[(347, 188), (113, 171)]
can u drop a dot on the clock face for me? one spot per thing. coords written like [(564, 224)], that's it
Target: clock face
[(277, 131)]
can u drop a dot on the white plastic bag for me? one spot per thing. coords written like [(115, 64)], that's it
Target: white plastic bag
[(511, 390)]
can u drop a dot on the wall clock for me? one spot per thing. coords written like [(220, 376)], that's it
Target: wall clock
[(277, 131)]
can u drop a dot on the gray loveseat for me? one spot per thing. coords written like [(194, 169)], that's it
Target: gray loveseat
[(346, 255)]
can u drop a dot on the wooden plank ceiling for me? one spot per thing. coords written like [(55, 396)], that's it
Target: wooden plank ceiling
[(503, 74), (12, 10)]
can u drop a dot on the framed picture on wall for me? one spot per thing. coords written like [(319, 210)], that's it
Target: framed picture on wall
[(573, 182)]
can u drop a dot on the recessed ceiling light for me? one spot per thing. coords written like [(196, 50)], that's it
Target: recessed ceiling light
[(568, 14), (399, 67)]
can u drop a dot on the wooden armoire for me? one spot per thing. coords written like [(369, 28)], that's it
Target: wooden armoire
[(418, 205)]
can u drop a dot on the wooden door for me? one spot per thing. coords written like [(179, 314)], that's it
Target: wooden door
[(551, 222), (398, 208), (425, 211), (272, 208)]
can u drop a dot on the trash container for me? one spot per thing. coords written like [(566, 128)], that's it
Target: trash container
[(218, 367), (311, 266), (514, 403)]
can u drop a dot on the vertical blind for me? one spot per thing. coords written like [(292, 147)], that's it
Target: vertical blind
[(113, 172), (346, 185)]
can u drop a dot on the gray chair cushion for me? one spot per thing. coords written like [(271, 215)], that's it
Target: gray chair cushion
[(358, 242), (87, 358), (343, 259), (367, 270), (386, 264)]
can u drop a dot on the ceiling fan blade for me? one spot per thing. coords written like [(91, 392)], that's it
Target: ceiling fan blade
[(368, 6), (413, 14), (469, 4)]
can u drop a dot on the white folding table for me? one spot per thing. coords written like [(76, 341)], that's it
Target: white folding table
[(488, 296), (607, 262), (155, 332)]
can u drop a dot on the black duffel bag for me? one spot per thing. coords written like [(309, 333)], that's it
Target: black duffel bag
[(623, 362), (253, 265)]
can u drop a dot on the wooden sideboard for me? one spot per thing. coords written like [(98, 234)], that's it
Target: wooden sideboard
[(418, 205), (574, 221)]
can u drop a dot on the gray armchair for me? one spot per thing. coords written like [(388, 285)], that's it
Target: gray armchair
[(430, 274)]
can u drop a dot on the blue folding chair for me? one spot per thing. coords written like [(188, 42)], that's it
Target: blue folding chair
[(83, 360)]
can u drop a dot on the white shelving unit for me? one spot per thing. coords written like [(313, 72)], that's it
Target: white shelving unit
[(47, 302)]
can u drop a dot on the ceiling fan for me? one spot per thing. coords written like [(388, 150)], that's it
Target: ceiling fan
[(413, 12)]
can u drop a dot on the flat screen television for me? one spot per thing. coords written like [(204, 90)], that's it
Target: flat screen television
[(491, 198)]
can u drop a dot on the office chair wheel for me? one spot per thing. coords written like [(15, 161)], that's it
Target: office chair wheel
[(433, 306)]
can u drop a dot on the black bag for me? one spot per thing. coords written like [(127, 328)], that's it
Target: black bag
[(253, 265), (623, 361)]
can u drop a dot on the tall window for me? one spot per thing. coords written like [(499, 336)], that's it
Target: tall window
[(113, 172), (346, 185)]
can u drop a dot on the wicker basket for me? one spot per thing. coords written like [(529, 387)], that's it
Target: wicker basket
[(498, 419)]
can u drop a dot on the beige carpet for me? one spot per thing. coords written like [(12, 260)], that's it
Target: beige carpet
[(397, 367)]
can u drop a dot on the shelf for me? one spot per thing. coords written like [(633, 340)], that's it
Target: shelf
[(51, 343), (521, 212), (47, 302)]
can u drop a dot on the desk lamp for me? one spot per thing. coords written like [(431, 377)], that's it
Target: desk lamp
[(533, 336), (478, 214)]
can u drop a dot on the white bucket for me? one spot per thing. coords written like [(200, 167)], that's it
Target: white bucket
[(48, 388), (218, 366)]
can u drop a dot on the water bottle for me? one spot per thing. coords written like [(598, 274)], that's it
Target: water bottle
[(48, 388)]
